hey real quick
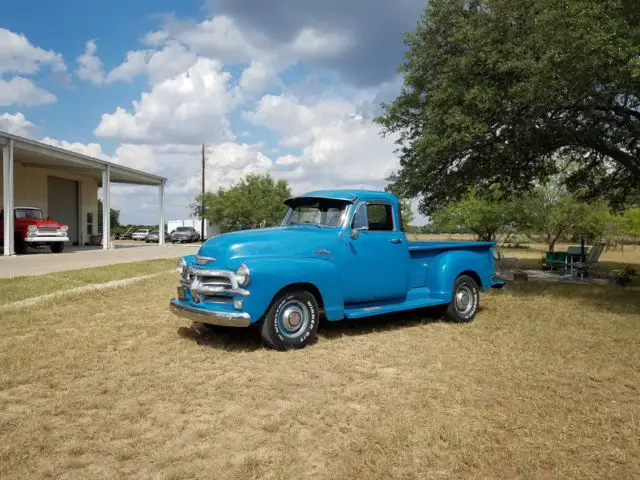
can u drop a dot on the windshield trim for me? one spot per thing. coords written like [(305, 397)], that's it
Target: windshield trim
[(343, 216)]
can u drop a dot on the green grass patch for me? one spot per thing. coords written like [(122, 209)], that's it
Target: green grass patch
[(20, 288)]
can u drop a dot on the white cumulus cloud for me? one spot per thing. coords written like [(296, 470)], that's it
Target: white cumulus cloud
[(17, 125), (89, 65), (189, 108), (338, 146), (90, 149), (22, 91), (18, 55)]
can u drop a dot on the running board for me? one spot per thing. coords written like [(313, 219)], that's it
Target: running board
[(412, 302)]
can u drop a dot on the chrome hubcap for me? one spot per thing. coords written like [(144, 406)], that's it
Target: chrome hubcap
[(464, 300), (294, 319)]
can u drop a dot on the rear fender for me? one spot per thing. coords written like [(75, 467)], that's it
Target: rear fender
[(444, 268)]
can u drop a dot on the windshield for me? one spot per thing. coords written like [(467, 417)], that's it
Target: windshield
[(182, 229), (29, 213), (154, 232), (142, 231), (316, 211)]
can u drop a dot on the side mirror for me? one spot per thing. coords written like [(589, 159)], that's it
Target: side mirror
[(355, 233)]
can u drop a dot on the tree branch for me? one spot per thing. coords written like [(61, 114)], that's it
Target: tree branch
[(629, 161)]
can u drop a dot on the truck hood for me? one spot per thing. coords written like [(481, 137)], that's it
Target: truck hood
[(25, 222), (231, 249)]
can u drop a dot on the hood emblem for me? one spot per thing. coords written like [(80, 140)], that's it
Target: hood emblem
[(204, 260), (322, 251)]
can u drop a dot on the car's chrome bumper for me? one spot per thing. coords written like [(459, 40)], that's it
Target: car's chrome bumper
[(43, 239), (222, 318)]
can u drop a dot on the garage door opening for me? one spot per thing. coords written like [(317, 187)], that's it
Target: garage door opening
[(63, 205)]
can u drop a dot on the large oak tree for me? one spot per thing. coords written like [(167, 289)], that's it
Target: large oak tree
[(496, 91)]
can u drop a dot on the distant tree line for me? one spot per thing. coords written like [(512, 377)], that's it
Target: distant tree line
[(549, 213)]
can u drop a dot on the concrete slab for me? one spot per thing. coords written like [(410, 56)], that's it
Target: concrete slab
[(541, 276), (86, 257)]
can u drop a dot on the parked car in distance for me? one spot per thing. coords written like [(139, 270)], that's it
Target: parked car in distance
[(32, 229), (185, 235), (342, 253), (154, 237), (140, 234)]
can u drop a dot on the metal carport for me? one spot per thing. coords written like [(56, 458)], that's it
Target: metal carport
[(35, 154)]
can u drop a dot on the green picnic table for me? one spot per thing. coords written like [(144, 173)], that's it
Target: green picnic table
[(565, 260)]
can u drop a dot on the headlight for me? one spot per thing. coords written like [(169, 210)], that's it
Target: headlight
[(64, 228), (182, 267), (242, 275), (32, 228)]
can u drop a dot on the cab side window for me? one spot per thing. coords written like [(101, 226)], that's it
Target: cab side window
[(380, 217)]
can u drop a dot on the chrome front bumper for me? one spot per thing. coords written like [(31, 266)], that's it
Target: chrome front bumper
[(46, 239), (224, 319)]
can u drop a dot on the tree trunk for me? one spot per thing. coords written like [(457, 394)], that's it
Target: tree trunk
[(553, 240)]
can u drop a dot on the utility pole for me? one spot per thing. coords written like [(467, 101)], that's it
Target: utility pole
[(202, 199)]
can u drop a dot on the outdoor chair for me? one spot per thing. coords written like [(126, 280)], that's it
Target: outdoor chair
[(590, 264), (556, 260), (503, 266)]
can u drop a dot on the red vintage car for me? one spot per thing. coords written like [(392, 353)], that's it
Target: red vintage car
[(33, 230)]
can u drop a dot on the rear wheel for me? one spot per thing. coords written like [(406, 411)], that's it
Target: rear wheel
[(291, 321), (465, 300), (57, 247)]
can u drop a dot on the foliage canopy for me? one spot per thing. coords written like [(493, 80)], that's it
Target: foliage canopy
[(254, 201), (495, 90)]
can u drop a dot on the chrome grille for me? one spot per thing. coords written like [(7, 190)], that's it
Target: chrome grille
[(217, 286), (211, 285), (47, 230)]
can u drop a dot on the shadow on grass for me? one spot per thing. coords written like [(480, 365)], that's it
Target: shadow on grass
[(248, 339), (222, 338), (380, 323), (607, 298)]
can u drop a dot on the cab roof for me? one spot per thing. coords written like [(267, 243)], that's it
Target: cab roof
[(348, 195)]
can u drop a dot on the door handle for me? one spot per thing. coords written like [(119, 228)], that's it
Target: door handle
[(396, 240)]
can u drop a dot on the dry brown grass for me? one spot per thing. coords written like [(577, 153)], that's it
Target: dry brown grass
[(20, 288), (544, 384)]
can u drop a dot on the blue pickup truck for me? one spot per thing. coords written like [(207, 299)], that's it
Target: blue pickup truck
[(340, 253)]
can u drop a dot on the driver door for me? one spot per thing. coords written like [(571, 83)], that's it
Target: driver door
[(377, 266)]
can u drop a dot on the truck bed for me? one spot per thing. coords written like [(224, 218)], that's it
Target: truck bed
[(422, 246)]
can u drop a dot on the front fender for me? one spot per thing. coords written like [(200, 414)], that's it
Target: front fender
[(443, 270), (270, 275)]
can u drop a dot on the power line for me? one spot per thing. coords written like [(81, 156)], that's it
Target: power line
[(202, 198)]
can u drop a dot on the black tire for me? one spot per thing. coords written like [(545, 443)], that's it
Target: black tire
[(22, 247), (57, 247), (465, 300), (291, 320)]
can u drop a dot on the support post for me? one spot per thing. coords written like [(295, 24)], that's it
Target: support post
[(106, 207), (7, 190), (161, 226)]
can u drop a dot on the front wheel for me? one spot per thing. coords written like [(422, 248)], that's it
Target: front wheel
[(465, 300), (291, 321), (21, 247), (57, 247)]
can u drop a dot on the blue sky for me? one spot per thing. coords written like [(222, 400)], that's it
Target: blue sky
[(283, 88)]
